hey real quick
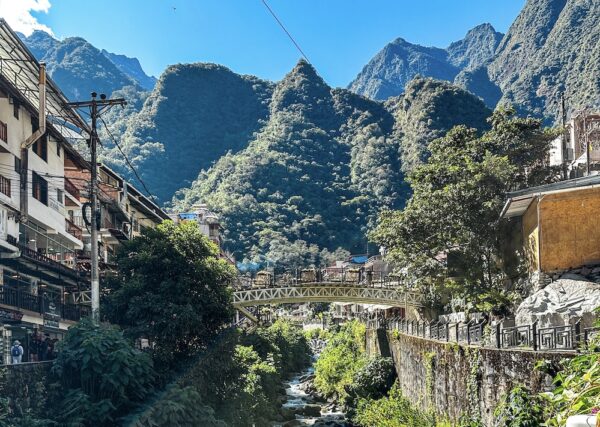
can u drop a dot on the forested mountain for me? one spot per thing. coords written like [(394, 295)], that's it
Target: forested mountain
[(391, 69), (426, 111), (131, 67), (552, 47), (195, 115), (325, 161), (79, 68)]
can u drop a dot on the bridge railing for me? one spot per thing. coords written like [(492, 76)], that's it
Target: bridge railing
[(569, 337), (330, 275)]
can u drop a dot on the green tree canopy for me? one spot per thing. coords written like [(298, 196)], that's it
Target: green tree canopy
[(457, 198), (171, 288)]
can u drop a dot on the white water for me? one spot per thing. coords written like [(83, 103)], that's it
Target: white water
[(297, 398)]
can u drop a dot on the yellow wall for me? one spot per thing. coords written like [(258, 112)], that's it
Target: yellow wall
[(530, 236), (569, 229)]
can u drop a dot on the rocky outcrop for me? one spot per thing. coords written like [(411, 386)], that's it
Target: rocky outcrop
[(567, 298)]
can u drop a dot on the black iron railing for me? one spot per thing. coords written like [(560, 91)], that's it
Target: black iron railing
[(567, 338), (40, 304)]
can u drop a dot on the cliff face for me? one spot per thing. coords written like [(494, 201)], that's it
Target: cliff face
[(552, 47), (388, 73)]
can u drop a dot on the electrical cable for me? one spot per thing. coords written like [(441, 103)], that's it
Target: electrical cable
[(126, 159), (286, 31)]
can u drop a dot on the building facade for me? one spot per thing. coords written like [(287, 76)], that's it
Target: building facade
[(38, 241)]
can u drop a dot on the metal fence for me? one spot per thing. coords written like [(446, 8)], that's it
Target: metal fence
[(560, 338)]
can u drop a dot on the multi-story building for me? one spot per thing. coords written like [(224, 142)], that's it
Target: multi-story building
[(578, 149), (206, 220), (38, 240), (124, 212)]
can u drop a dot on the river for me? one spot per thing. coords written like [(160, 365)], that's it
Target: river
[(302, 407)]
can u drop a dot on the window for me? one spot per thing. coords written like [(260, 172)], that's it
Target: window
[(16, 108), (40, 147), (17, 164), (60, 196), (34, 124), (58, 148), (39, 189)]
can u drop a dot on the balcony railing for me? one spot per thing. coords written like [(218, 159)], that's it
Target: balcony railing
[(72, 189), (40, 258), (73, 229), (3, 131), (4, 185), (39, 304)]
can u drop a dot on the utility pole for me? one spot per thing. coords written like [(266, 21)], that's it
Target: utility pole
[(96, 107)]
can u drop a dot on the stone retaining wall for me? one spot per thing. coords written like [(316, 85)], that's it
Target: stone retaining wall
[(459, 380)]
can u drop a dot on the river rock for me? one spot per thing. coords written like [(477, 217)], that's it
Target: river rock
[(309, 410), (559, 302), (293, 423), (287, 414)]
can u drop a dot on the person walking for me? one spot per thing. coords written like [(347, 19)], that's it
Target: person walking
[(16, 352)]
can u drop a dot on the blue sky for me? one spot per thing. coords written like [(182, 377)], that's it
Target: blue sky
[(338, 36)]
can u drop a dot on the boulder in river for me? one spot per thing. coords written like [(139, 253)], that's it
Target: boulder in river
[(293, 423), (309, 410)]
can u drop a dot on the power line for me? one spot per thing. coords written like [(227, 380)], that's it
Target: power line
[(126, 158), (286, 31)]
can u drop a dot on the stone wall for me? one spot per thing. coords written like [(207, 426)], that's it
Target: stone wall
[(459, 380)]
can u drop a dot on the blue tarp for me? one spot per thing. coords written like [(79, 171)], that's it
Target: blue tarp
[(359, 259)]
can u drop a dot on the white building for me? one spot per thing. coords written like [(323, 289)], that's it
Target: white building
[(38, 241), (581, 146)]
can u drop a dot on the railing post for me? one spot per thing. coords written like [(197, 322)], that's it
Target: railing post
[(447, 331), (498, 335), (577, 339), (456, 330), (468, 326), (534, 336), (424, 328)]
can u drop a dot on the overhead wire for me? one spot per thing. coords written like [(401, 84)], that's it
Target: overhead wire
[(285, 30), (114, 140)]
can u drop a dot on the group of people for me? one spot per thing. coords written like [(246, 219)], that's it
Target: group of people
[(41, 348)]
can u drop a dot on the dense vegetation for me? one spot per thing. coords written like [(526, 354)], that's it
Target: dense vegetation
[(79, 68), (343, 357), (171, 289), (323, 165), (453, 212)]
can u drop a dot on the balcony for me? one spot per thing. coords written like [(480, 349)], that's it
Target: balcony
[(39, 304), (3, 131), (72, 189), (4, 185), (39, 258), (73, 229)]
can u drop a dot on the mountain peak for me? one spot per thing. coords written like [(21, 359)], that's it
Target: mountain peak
[(477, 48)]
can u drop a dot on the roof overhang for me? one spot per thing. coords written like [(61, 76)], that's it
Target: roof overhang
[(20, 68), (518, 202)]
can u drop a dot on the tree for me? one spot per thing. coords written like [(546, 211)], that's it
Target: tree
[(172, 289), (99, 375), (450, 226)]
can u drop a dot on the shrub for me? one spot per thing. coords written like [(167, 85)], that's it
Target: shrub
[(391, 411), (180, 406), (343, 356), (99, 375), (518, 408)]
